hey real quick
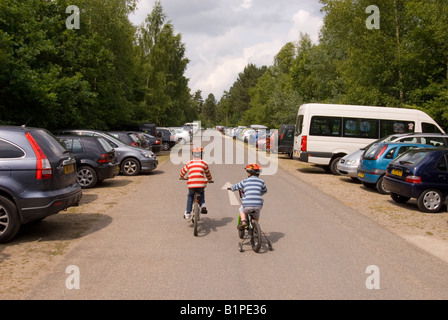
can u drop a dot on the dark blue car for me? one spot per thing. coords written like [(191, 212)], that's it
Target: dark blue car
[(421, 174)]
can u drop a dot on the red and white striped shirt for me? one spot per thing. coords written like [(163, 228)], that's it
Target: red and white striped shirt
[(198, 173)]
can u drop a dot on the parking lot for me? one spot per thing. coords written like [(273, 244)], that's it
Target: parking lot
[(40, 246)]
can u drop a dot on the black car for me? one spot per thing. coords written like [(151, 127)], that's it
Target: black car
[(285, 142), (133, 160), (155, 143), (167, 138), (37, 178), (95, 159)]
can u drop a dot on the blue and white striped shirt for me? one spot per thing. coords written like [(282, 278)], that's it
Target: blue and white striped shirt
[(253, 188)]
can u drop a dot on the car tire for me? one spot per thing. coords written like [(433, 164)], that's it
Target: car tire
[(430, 201), (9, 220), (130, 167), (380, 186), (399, 198), (334, 166), (165, 146), (86, 177)]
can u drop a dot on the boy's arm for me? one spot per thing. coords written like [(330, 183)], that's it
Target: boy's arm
[(184, 171), (208, 173), (264, 189), (238, 186)]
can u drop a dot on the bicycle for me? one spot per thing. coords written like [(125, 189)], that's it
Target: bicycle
[(254, 234), (196, 212)]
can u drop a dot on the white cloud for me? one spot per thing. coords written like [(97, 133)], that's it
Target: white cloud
[(224, 36)]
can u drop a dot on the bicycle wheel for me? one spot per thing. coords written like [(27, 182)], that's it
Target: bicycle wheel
[(255, 239), (195, 218)]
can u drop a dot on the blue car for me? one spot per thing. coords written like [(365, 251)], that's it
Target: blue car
[(373, 163), (421, 174)]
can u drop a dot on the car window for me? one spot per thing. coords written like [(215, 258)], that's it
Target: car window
[(10, 151), (49, 143), (390, 153), (74, 145), (442, 164), (433, 141), (410, 140), (106, 146), (412, 157)]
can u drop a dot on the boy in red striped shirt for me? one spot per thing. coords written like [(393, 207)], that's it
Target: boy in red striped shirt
[(198, 176)]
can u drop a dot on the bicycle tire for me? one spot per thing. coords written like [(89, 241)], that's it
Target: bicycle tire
[(195, 219), (255, 239)]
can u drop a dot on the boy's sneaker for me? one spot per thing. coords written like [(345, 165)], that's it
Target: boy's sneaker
[(204, 210), (242, 225), (187, 216)]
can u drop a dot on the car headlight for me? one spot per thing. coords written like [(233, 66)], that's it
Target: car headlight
[(352, 162)]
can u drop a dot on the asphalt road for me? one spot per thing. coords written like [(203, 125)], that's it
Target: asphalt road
[(322, 248)]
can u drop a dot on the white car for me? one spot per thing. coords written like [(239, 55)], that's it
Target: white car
[(180, 135)]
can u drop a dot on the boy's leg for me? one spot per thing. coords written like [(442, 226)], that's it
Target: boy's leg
[(202, 202), (190, 198)]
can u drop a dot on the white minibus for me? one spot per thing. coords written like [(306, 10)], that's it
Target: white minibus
[(325, 133)]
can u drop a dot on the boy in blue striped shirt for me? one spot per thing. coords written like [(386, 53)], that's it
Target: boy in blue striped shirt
[(253, 188)]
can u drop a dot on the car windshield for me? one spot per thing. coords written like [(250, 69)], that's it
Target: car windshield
[(412, 157)]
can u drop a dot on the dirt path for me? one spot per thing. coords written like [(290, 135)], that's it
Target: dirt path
[(38, 247)]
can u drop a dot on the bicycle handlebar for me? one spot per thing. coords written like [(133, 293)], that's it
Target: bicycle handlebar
[(187, 180)]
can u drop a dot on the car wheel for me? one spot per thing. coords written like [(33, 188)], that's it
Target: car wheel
[(334, 166), (182, 141), (398, 198), (430, 200), (380, 186), (87, 177), (9, 220), (130, 167), (166, 146)]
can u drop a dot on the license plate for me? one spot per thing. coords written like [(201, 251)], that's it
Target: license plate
[(69, 169), (397, 172), (361, 174)]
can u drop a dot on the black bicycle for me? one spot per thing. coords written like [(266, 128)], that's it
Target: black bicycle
[(196, 212), (251, 233)]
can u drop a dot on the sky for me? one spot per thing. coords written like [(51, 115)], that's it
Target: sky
[(223, 36)]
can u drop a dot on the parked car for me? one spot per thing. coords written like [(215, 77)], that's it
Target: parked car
[(95, 159), (285, 142), (132, 160), (181, 136), (156, 143), (373, 164), (142, 141), (126, 137), (37, 178), (167, 138), (421, 174), (348, 165), (149, 128)]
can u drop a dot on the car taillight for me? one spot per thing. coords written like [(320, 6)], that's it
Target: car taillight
[(105, 158), (134, 144), (43, 166), (414, 179), (157, 141), (303, 143)]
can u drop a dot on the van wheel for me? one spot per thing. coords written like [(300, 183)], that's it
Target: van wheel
[(333, 166), (9, 220), (430, 200)]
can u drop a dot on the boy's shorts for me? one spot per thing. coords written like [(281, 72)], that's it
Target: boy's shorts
[(256, 209)]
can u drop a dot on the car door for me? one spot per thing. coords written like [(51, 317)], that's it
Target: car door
[(440, 175)]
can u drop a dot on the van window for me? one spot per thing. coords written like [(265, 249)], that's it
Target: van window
[(326, 126), (389, 127), (360, 128), (299, 125), (430, 128)]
